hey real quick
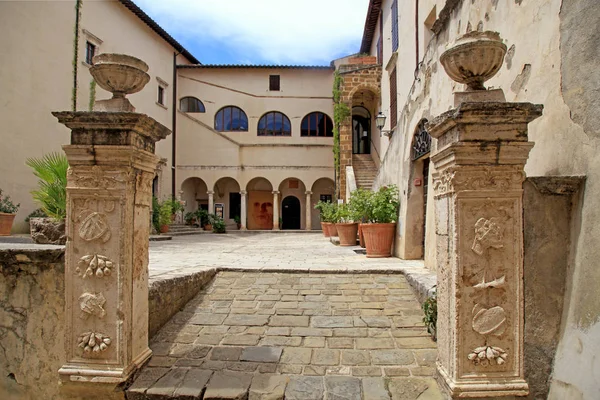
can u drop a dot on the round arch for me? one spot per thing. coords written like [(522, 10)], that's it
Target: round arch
[(293, 187), (195, 193), (231, 119), (274, 123), (227, 199), (259, 183), (322, 189), (316, 124)]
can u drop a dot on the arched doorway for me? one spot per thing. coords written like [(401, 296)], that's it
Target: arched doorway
[(260, 204), (361, 130), (227, 201), (290, 213), (195, 194)]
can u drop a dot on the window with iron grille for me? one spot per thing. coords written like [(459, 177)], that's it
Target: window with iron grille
[(393, 100), (274, 123), (274, 82), (90, 52), (395, 26), (316, 124)]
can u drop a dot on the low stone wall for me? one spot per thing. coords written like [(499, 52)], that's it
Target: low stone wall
[(32, 312), (167, 296)]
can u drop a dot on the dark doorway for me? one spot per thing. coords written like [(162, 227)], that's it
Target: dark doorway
[(290, 213), (361, 131), (235, 205), (425, 190)]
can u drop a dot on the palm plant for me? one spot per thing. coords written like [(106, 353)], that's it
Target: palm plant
[(51, 195)]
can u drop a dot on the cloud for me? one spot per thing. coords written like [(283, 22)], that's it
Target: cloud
[(271, 31)]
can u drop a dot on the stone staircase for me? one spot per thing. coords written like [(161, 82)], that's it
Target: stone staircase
[(181, 229), (365, 170)]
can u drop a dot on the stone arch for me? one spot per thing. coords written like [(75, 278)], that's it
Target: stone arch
[(293, 187), (322, 188), (194, 193), (259, 183), (227, 192)]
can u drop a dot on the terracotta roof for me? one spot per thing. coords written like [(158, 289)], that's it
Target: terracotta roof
[(370, 25), (131, 6), (256, 66)]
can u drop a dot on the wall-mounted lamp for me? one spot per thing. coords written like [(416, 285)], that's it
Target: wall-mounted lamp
[(380, 123)]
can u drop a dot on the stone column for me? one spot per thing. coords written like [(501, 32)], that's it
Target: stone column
[(308, 211), (211, 201), (482, 148), (276, 210), (244, 211), (109, 198)]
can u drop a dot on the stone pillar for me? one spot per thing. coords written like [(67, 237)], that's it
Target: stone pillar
[(308, 211), (244, 211), (211, 201), (109, 198), (276, 210), (482, 148)]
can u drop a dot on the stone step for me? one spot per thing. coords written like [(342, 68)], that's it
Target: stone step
[(189, 232)]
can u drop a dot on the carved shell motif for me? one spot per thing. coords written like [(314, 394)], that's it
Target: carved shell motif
[(93, 343), (94, 265), (488, 355)]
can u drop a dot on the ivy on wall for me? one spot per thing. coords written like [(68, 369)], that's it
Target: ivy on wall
[(75, 54), (92, 95), (340, 112)]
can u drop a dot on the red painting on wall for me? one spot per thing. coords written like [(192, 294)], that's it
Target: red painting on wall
[(260, 210)]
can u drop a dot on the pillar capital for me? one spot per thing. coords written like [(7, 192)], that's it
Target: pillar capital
[(243, 192), (109, 195), (308, 192), (210, 192), (276, 192)]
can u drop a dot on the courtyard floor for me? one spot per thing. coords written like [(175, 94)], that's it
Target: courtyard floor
[(277, 331)]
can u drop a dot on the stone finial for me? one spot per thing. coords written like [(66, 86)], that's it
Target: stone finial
[(121, 75)]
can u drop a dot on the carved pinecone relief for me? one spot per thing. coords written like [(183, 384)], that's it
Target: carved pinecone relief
[(94, 265), (488, 355), (93, 343)]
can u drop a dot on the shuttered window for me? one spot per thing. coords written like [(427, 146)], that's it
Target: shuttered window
[(393, 100), (395, 26), (274, 82)]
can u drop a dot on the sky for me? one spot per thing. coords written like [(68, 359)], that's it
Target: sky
[(299, 32)]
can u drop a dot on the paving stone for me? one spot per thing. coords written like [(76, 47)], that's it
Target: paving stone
[(314, 342), (340, 343), (287, 311), (161, 349), (265, 368), (293, 355), (180, 350), (392, 357), (242, 366), (332, 322), (377, 322), (289, 321), (198, 352), (356, 357), (396, 371), (374, 389), (146, 379), (342, 388), (304, 388), (292, 305), (166, 385), (268, 387), (193, 384), (425, 358), (214, 365), (248, 320), (228, 385), (408, 321), (325, 357), (207, 319), (338, 370), (414, 388), (374, 343), (211, 330), (422, 371), (311, 332), (415, 343), (241, 340), (162, 361), (278, 331), (261, 354), (209, 339), (226, 353), (350, 332), (190, 362), (290, 369), (366, 371), (281, 341)]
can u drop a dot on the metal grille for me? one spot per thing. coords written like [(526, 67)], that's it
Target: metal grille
[(421, 142)]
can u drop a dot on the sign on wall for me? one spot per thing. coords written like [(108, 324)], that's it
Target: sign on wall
[(220, 210)]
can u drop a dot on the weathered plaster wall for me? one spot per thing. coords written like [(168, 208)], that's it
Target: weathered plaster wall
[(31, 323), (551, 60)]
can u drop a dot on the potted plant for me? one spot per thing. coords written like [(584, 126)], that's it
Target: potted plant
[(190, 218), (382, 214), (346, 227), (8, 210), (218, 225), (155, 215), (210, 220), (164, 216), (176, 207), (333, 218), (51, 195), (238, 221), (359, 203), (326, 210), (430, 318)]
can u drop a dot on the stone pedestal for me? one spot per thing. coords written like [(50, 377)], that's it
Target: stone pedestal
[(481, 152), (109, 197)]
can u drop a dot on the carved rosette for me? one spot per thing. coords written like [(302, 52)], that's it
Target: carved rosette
[(93, 343)]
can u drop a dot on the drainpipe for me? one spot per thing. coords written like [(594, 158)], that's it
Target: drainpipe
[(417, 33), (174, 127)]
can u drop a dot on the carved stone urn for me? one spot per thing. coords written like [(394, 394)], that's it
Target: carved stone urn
[(121, 75), (474, 58)]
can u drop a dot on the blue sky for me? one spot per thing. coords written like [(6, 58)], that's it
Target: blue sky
[(303, 32)]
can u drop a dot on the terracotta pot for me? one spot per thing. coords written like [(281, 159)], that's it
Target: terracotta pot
[(333, 230), (6, 222), (326, 228), (347, 233), (379, 239), (361, 237), (164, 229), (208, 227)]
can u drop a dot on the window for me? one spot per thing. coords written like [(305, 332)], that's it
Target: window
[(316, 124), (395, 26), (161, 96), (393, 100), (274, 82), (90, 52), (231, 119), (326, 198), (191, 105), (274, 124)]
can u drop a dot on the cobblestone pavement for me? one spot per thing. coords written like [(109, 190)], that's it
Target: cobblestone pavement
[(302, 336), (264, 252)]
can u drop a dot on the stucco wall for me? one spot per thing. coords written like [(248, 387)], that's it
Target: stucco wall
[(552, 52)]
